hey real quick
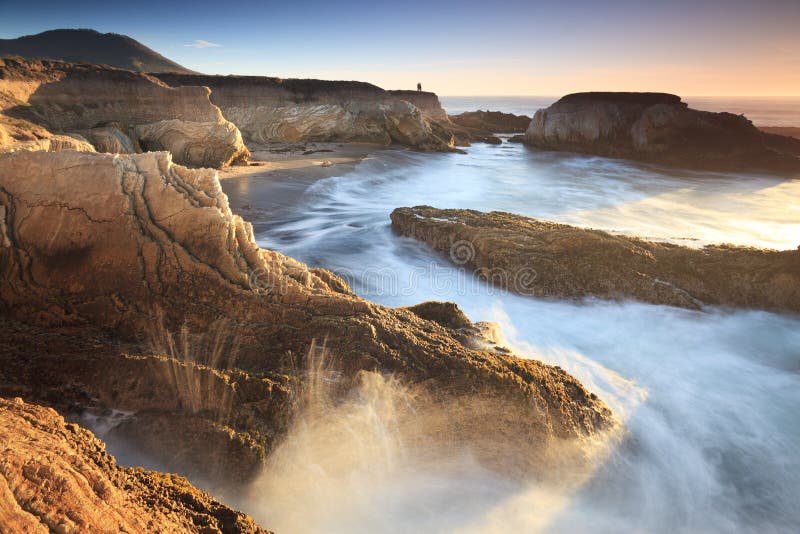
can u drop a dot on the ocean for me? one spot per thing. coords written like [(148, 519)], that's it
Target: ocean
[(709, 398), (763, 111)]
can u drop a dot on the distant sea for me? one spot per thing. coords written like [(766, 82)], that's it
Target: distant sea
[(763, 111)]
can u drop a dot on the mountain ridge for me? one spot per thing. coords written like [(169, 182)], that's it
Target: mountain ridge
[(91, 46)]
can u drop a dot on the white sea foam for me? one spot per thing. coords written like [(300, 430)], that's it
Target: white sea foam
[(709, 397)]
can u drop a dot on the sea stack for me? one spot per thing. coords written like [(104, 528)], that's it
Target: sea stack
[(659, 128)]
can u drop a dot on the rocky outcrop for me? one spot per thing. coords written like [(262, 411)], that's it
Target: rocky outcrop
[(492, 121), (136, 248), (275, 110), (545, 259), (56, 477), (659, 128), (63, 97), (52, 143), (467, 128), (427, 102)]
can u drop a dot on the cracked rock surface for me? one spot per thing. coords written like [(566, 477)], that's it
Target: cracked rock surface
[(147, 295)]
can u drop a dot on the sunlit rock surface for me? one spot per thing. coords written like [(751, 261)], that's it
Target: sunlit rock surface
[(546, 259), (659, 128), (146, 251), (276, 110), (56, 477), (39, 98)]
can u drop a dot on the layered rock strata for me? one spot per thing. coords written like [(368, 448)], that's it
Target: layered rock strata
[(40, 98), (546, 259), (659, 128), (270, 110)]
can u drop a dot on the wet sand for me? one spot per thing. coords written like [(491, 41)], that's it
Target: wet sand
[(279, 174)]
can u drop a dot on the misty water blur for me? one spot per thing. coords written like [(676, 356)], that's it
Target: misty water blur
[(709, 397)]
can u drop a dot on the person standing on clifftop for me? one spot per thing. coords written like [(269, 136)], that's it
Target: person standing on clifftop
[(419, 87)]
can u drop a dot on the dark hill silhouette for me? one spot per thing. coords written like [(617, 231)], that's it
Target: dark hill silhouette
[(90, 46)]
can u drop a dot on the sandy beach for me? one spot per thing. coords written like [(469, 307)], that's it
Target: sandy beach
[(279, 173), (318, 160)]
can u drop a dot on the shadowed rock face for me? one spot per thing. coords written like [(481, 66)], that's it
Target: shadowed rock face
[(545, 259), (62, 97), (57, 477), (659, 128), (275, 110), (493, 121), (138, 248)]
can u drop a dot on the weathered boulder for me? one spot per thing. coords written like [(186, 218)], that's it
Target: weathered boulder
[(546, 259), (140, 248), (659, 128), (56, 477), (276, 110), (205, 144), (65, 97)]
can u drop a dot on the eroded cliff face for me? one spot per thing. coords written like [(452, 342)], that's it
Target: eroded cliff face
[(56, 477), (275, 110), (545, 259), (658, 127), (139, 248), (39, 98)]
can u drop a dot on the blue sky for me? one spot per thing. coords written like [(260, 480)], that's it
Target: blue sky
[(701, 47)]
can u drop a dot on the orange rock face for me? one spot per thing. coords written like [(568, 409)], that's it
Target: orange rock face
[(57, 477)]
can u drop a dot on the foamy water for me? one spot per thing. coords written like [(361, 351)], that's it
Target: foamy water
[(709, 398)]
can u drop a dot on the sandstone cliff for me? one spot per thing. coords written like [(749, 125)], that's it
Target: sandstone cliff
[(138, 248), (659, 128), (275, 110), (57, 477), (546, 259), (39, 98)]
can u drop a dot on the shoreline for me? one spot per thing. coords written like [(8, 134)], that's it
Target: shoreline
[(280, 173)]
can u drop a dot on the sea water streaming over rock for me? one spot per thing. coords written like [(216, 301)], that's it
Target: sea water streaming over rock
[(709, 397)]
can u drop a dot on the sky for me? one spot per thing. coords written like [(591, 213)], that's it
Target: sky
[(501, 47)]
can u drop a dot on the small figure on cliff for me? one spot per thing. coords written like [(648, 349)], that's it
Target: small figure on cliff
[(419, 87)]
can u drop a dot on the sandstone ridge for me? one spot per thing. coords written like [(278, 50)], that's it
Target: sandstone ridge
[(116, 110), (269, 110)]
